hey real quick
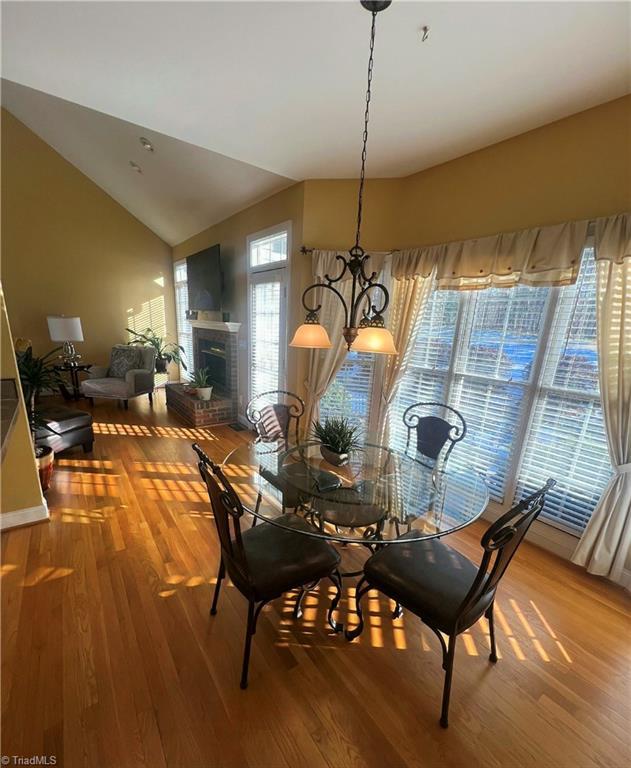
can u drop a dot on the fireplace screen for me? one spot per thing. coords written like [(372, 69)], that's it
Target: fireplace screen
[(212, 356)]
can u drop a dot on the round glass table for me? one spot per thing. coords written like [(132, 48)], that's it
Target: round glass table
[(380, 495)]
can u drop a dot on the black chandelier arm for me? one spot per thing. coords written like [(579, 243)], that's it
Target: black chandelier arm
[(366, 293), (331, 280), (315, 310), (367, 280)]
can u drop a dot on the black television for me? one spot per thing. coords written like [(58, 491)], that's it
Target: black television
[(205, 282)]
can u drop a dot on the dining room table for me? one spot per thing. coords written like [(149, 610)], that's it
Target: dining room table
[(380, 496)]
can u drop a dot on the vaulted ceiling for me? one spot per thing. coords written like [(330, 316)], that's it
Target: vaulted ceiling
[(241, 98)]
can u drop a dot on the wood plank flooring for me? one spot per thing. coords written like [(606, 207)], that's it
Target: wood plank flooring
[(110, 659)]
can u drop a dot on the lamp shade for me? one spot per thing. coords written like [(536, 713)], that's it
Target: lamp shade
[(311, 336), (379, 341), (63, 328)]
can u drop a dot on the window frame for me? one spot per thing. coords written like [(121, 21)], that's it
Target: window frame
[(263, 273)]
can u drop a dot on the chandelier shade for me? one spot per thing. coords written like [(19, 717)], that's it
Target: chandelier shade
[(379, 341), (311, 336)]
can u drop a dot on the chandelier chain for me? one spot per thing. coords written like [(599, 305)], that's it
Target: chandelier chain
[(360, 198)]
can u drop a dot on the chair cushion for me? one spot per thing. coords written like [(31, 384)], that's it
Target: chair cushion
[(60, 419), (105, 388), (432, 433), (124, 358), (345, 507), (280, 559), (429, 578), (274, 422)]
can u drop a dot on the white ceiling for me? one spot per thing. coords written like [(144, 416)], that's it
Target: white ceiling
[(182, 189), (280, 85)]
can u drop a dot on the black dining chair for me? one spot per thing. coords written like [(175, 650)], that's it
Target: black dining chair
[(267, 561), (430, 433), (275, 416), (444, 588)]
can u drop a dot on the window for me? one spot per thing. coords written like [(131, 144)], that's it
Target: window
[(350, 394), (267, 259), (521, 366), (184, 329), (566, 435)]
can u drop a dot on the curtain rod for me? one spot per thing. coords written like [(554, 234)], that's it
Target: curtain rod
[(304, 250)]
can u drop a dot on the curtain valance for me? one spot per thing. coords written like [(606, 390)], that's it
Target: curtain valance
[(612, 238), (540, 256)]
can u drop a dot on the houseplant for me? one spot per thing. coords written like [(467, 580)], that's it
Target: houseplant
[(199, 382), (166, 352), (36, 374), (337, 437)]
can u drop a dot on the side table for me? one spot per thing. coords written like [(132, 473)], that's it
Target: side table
[(73, 369)]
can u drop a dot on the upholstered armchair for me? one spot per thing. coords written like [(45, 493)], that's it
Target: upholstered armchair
[(129, 374)]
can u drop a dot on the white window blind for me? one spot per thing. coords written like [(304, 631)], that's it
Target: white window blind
[(496, 348), (426, 375), (184, 329), (265, 325), (566, 436), (350, 393)]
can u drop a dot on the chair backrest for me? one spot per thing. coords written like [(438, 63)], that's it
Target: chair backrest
[(148, 357), (227, 512), (500, 543), (434, 432), (276, 415)]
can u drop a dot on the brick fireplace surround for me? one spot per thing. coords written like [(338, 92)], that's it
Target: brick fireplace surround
[(222, 408)]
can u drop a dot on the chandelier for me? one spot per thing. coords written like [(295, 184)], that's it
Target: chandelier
[(364, 328)]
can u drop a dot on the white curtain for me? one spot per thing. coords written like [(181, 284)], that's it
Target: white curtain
[(605, 547), (410, 295), (540, 256)]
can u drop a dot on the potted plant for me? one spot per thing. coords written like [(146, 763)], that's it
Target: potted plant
[(199, 382), (338, 438), (36, 374), (165, 352)]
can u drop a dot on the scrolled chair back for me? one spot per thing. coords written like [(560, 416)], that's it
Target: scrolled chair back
[(500, 542), (433, 432), (227, 512), (275, 415)]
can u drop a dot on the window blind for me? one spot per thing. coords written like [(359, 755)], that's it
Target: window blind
[(265, 315), (184, 329), (350, 393), (496, 348), (566, 437)]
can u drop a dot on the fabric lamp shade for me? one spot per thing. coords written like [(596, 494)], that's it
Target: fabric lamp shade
[(63, 328), (311, 336), (379, 341)]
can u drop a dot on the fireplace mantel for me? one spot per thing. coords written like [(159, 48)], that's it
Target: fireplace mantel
[(216, 325)]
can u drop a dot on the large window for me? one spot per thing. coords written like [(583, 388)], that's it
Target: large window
[(566, 434), (350, 394), (267, 260), (520, 364), (184, 329)]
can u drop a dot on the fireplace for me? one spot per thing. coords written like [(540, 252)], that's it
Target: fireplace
[(212, 356)]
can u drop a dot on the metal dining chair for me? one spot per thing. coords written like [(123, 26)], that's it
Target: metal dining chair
[(275, 415), (431, 433), (444, 588), (267, 561)]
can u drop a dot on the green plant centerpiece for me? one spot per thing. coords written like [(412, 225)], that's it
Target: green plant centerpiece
[(200, 381), (166, 352), (37, 374), (338, 437)]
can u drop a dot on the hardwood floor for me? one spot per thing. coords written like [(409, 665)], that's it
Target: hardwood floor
[(110, 659)]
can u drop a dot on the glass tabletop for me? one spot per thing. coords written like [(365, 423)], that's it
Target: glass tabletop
[(380, 494)]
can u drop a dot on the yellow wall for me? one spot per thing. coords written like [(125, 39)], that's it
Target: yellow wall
[(232, 234), (19, 483), (575, 168), (69, 248)]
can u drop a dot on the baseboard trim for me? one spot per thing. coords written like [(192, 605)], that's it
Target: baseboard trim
[(26, 516)]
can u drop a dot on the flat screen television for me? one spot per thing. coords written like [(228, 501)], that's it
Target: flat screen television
[(204, 278)]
